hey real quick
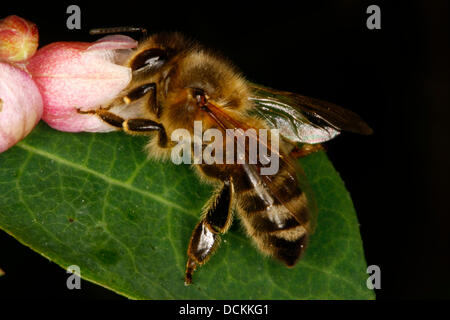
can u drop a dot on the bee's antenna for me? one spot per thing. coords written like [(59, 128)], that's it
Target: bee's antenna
[(118, 30)]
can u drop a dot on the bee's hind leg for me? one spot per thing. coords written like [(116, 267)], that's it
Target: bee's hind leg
[(205, 237)]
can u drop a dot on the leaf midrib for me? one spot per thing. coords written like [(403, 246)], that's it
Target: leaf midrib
[(108, 179)]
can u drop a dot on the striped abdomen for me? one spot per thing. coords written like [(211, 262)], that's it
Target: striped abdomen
[(273, 209), (275, 214)]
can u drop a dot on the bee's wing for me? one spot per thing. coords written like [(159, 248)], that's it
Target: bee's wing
[(303, 119), (265, 185)]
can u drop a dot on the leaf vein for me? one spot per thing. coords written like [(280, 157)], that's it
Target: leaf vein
[(102, 176)]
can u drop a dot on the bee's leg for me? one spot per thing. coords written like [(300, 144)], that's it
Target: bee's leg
[(146, 127), (205, 237), (306, 150), (109, 117), (136, 94), (139, 92)]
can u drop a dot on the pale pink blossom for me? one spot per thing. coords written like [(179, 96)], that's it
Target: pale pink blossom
[(20, 105), (79, 75)]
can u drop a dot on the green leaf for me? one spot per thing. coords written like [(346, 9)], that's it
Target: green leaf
[(95, 201)]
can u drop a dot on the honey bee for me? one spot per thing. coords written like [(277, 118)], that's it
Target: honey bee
[(177, 81)]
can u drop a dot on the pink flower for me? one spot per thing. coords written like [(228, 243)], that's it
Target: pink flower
[(58, 80), (20, 105), (18, 39), (79, 75)]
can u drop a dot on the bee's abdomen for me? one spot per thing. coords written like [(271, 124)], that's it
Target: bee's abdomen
[(278, 221)]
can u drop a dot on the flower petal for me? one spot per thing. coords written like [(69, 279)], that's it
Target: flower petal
[(77, 75), (21, 105), (114, 42)]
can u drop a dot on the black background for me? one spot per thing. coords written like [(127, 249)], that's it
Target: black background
[(396, 78)]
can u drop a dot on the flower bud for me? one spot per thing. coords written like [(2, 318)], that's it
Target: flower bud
[(80, 75), (20, 105), (18, 39)]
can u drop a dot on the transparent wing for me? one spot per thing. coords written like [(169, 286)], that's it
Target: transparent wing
[(264, 184), (303, 119)]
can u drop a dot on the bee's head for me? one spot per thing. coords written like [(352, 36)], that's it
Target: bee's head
[(200, 81)]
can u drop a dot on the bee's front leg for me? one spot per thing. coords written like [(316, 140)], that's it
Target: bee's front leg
[(147, 90), (108, 117), (145, 127), (205, 237), (132, 126)]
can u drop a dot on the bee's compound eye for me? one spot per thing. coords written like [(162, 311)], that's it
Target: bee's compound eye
[(149, 59)]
